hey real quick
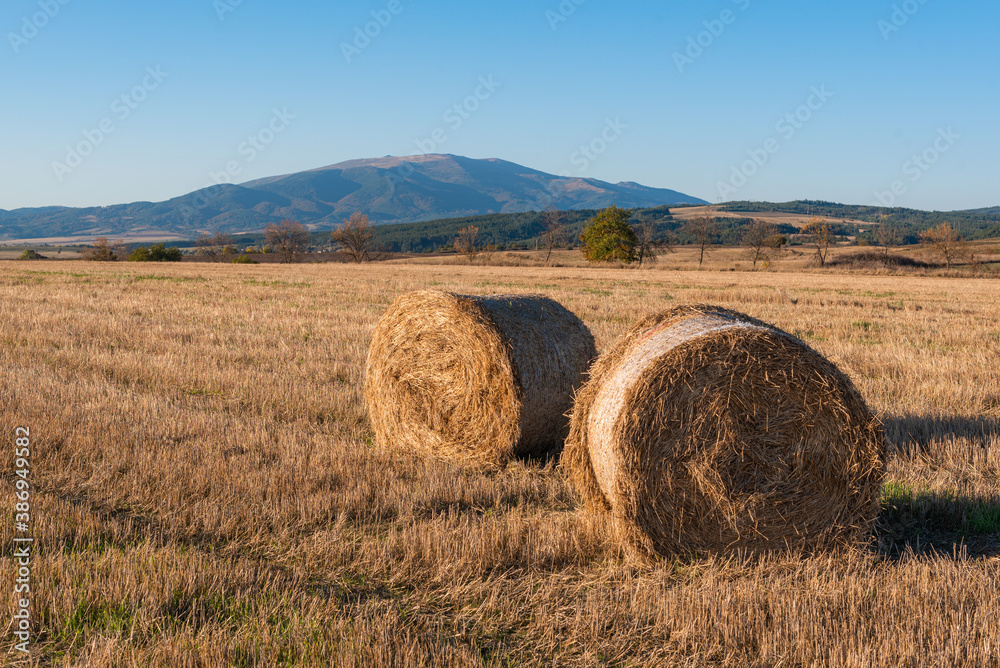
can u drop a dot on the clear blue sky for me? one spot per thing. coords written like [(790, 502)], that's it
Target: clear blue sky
[(894, 94)]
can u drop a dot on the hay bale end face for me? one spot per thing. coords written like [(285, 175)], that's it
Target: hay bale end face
[(475, 379), (704, 430)]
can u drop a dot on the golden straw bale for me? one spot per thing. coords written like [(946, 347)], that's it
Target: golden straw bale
[(475, 379), (703, 430)]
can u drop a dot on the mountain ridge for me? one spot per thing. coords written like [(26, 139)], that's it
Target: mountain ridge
[(391, 189)]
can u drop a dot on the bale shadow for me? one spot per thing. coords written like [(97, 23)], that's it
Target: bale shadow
[(947, 521), (915, 522), (540, 460), (908, 430)]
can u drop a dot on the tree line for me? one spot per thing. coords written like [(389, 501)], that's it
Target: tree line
[(614, 234)]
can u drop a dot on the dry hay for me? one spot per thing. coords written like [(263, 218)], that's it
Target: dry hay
[(476, 379), (703, 430)]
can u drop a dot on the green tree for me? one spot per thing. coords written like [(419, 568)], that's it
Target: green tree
[(608, 237), (156, 253)]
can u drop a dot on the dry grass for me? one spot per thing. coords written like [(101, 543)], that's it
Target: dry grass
[(703, 430), (475, 379), (207, 491), (796, 259)]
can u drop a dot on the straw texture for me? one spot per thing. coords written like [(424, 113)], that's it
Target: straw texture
[(704, 430), (475, 379)]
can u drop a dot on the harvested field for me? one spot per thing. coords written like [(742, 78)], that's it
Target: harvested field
[(207, 489)]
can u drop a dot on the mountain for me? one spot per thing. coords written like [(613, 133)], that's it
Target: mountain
[(389, 190)]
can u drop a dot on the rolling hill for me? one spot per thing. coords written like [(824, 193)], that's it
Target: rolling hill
[(389, 190)]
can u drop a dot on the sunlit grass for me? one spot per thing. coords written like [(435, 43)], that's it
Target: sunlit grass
[(207, 491)]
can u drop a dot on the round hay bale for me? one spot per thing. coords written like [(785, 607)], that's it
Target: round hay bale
[(703, 430), (476, 379)]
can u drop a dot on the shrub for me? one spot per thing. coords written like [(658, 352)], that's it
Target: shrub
[(30, 254), (140, 254), (156, 253), (875, 260), (244, 259)]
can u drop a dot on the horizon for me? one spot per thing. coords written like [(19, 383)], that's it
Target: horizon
[(877, 105), (417, 158)]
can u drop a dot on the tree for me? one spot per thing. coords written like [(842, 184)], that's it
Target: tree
[(607, 237), (945, 242), (218, 247), (156, 253), (287, 239), (356, 237), (759, 237), (887, 237), (704, 229), (30, 254), (105, 251), (467, 242), (553, 230), (647, 246), (819, 230)]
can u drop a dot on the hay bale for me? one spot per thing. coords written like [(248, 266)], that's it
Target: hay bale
[(476, 379), (703, 429)]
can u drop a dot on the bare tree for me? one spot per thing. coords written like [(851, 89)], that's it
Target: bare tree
[(704, 229), (887, 237), (647, 246), (489, 251), (553, 234), (819, 230), (356, 236), (287, 239), (945, 242), (759, 238), (467, 242), (218, 247), (105, 251)]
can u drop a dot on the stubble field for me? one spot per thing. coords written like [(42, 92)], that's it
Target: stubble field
[(206, 492)]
